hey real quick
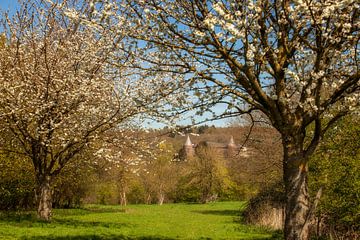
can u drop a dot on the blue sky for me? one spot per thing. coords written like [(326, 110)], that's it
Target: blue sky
[(10, 5)]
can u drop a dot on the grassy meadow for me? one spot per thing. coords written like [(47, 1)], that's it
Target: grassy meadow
[(170, 221)]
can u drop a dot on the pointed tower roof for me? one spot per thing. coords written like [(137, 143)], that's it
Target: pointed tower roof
[(231, 142), (188, 142)]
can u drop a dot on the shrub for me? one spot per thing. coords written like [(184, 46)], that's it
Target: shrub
[(338, 172), (16, 183), (267, 208)]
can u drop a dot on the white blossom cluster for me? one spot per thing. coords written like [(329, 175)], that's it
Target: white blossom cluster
[(64, 83), (293, 60), (305, 56)]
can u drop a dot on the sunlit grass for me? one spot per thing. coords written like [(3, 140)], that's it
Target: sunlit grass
[(170, 221)]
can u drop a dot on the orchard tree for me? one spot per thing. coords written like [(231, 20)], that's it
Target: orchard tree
[(120, 159), (294, 60), (161, 172), (62, 86)]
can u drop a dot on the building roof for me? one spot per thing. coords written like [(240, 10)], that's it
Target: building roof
[(232, 143), (188, 142)]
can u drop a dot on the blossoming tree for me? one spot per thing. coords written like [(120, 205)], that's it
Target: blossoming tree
[(297, 61), (62, 86)]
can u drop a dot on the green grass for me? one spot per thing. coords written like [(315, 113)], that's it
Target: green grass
[(170, 221)]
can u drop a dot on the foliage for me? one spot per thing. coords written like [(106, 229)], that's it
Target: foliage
[(337, 172), (267, 207), (169, 221), (186, 192), (137, 193), (160, 173), (73, 183), (16, 182), (206, 177)]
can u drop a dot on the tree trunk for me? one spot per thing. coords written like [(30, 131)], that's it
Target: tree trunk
[(44, 198), (148, 199), (296, 187), (161, 198), (123, 199)]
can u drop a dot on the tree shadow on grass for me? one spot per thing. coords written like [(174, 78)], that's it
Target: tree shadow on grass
[(103, 210), (123, 237), (238, 218), (277, 235), (219, 212), (87, 210), (13, 216), (273, 237), (18, 216), (88, 224), (96, 237), (29, 219)]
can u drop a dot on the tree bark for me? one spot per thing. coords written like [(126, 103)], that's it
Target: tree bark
[(296, 187), (123, 199), (44, 198), (148, 199), (161, 198)]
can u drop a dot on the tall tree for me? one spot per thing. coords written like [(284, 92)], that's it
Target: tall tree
[(63, 85), (295, 61)]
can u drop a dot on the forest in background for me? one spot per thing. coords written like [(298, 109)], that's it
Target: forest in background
[(159, 176)]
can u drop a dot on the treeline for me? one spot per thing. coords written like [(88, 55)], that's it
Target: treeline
[(151, 172)]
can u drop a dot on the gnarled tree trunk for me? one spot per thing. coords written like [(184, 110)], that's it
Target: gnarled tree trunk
[(44, 196), (296, 187)]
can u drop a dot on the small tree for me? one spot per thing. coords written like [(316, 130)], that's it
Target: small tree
[(205, 176), (62, 86)]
